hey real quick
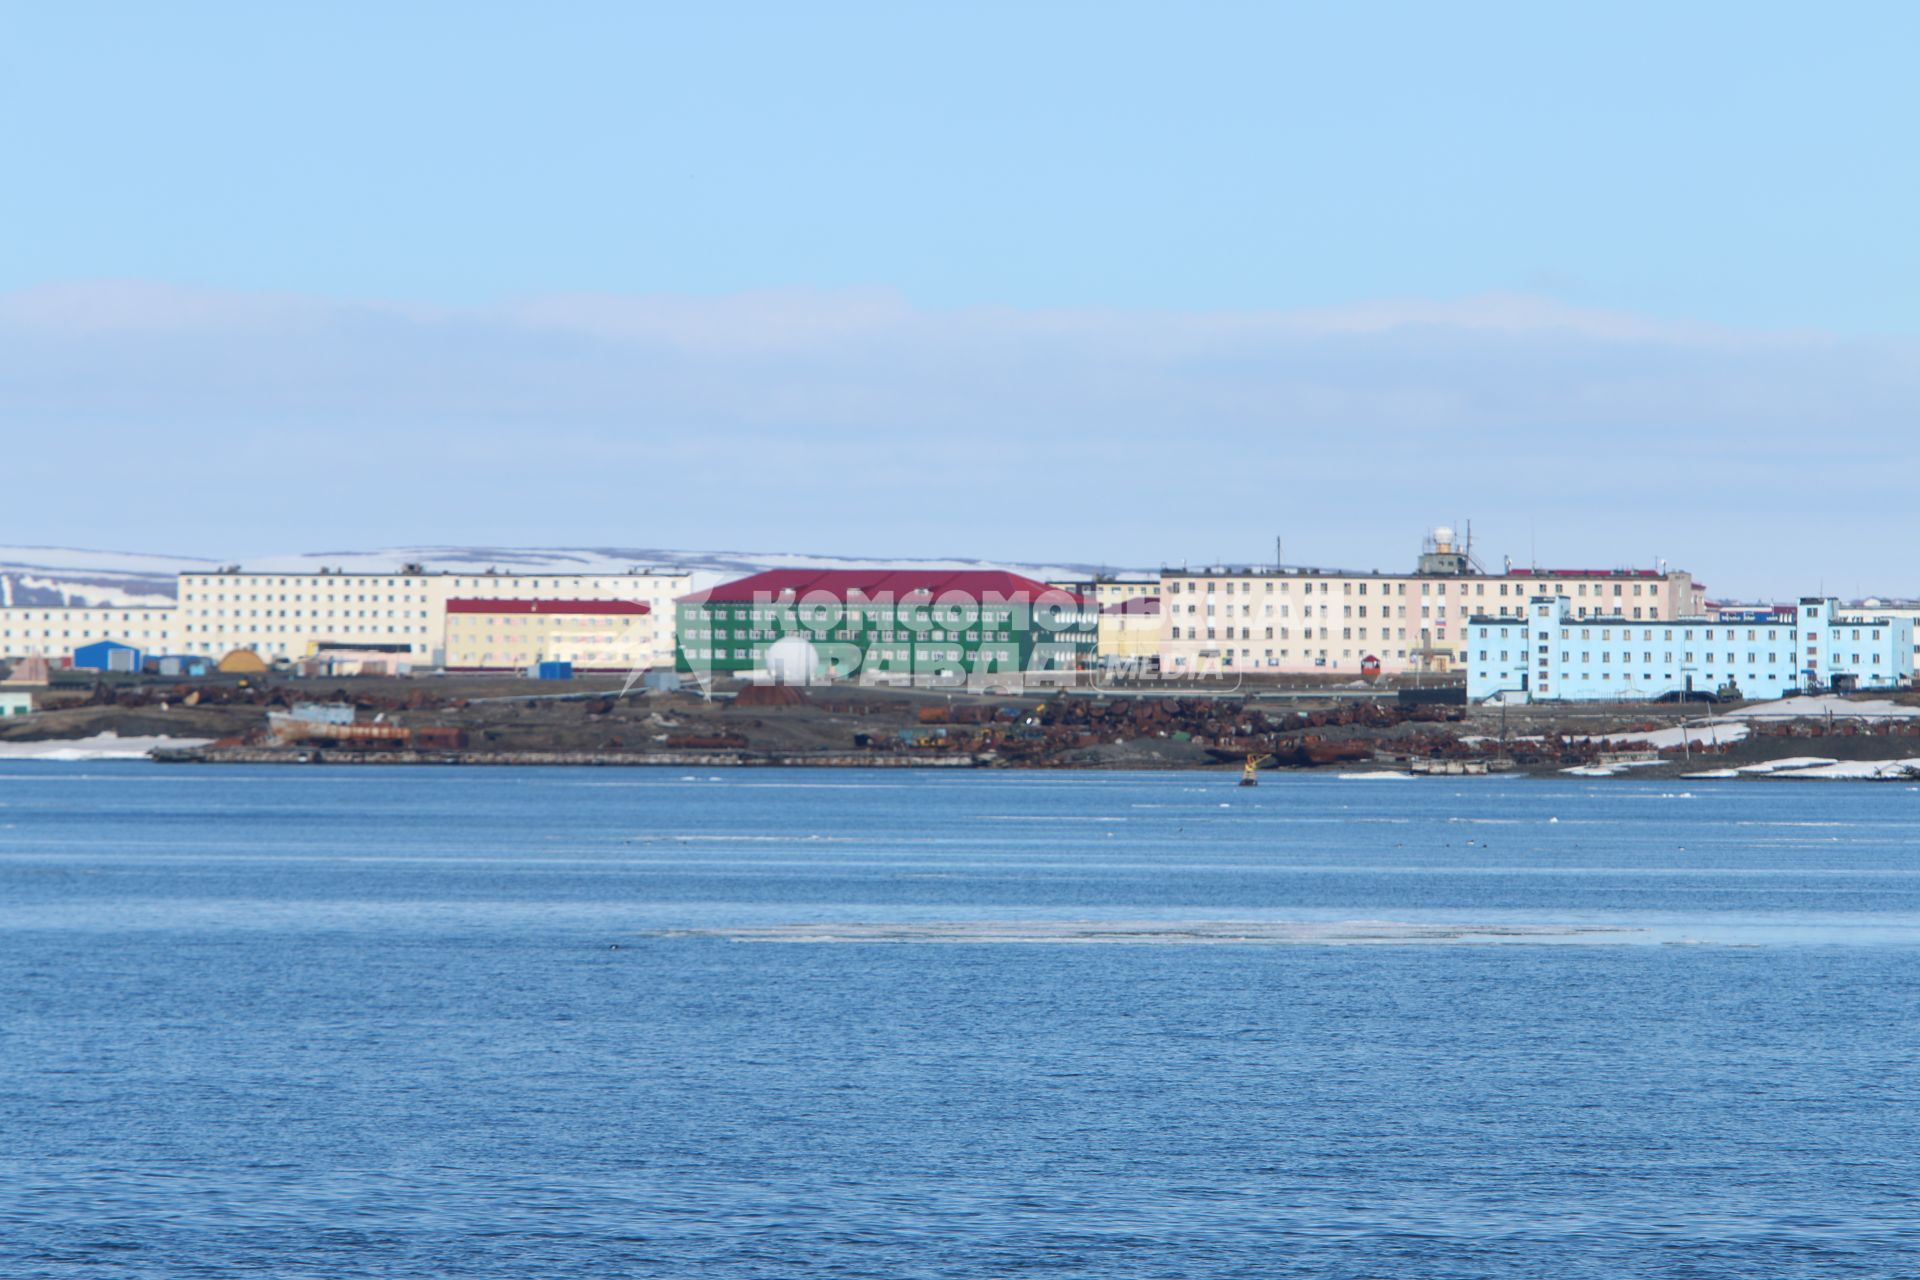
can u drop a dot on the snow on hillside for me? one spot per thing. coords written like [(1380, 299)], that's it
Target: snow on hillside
[(65, 575)]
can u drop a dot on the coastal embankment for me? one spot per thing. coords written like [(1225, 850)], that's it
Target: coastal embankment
[(1348, 729)]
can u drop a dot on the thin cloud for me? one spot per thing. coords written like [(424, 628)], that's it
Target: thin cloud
[(860, 422)]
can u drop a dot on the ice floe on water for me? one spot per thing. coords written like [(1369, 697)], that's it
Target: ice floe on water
[(1867, 770), (1180, 932), (1610, 769), (1820, 767), (1790, 762)]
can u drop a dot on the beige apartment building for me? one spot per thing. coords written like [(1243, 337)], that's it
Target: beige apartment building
[(55, 631), (1253, 620), (289, 615)]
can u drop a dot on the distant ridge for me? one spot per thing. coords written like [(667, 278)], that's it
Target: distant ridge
[(68, 575)]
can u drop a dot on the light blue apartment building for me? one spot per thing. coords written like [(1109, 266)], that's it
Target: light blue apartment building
[(1551, 655)]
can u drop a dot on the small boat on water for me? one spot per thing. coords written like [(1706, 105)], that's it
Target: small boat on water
[(1250, 772)]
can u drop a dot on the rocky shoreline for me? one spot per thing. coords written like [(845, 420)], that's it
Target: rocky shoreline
[(1354, 732)]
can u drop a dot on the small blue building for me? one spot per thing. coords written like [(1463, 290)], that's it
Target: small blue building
[(107, 655), (1551, 656), (178, 664)]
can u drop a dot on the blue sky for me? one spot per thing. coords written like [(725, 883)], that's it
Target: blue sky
[(1500, 245)]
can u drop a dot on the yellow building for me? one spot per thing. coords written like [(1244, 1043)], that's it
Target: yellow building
[(1130, 633), (1104, 591), (513, 635)]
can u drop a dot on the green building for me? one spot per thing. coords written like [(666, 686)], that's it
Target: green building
[(886, 625)]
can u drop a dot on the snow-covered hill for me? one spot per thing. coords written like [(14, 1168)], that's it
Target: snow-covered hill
[(65, 575)]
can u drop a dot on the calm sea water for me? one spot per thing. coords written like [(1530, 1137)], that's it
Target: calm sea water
[(500, 1023)]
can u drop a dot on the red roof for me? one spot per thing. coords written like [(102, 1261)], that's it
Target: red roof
[(546, 606), (876, 584)]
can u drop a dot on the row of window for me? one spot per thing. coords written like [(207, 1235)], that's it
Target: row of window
[(250, 580), (1044, 655), (1753, 633), (542, 621), (86, 633), (489, 582), (141, 617), (330, 614), (1284, 633), (1655, 682), (256, 627), (1687, 656), (1227, 586), (296, 598), (1276, 657), (1346, 611), (520, 657)]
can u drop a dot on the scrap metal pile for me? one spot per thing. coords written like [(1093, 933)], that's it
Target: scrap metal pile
[(1232, 729)]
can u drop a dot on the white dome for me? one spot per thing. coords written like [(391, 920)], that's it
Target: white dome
[(1443, 533), (791, 660)]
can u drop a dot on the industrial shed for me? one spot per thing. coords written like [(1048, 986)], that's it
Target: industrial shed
[(107, 655)]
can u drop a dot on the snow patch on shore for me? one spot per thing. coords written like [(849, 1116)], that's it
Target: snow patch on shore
[(101, 746), (1819, 708), (1710, 732)]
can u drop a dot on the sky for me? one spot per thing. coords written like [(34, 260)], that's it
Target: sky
[(1107, 283)]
